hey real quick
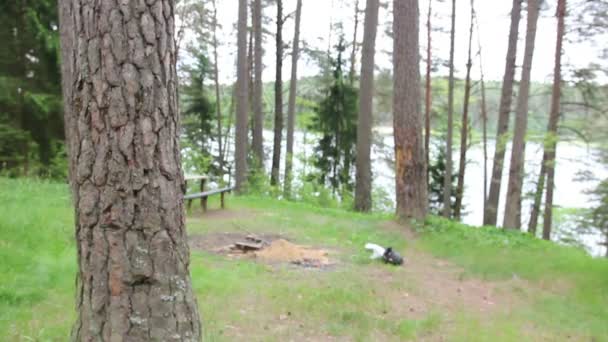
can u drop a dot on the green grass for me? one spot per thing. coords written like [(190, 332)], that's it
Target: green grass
[(573, 291), (562, 292), (37, 259)]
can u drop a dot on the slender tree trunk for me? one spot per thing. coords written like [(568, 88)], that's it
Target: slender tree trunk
[(484, 114), (218, 98), (551, 144), (258, 109), (538, 196), (278, 99), (353, 54), (122, 123), (491, 207), (427, 97), (242, 106), (291, 109), (363, 187), (447, 178), (250, 74), (410, 170), (229, 125), (512, 217), (464, 132), (484, 118)]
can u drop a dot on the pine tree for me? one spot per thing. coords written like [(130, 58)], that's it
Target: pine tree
[(491, 206), (335, 120), (291, 107), (122, 124), (363, 193), (447, 195), (464, 132), (410, 168), (512, 217), (278, 97), (242, 101), (552, 137), (257, 140), (31, 123)]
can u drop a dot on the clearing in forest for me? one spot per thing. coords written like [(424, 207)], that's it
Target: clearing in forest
[(313, 279), (428, 298)]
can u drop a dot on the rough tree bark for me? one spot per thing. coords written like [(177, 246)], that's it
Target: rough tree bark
[(258, 109), (410, 168), (551, 143), (512, 219), (363, 190), (353, 53), (242, 106), (218, 98), (278, 99), (491, 207), (447, 177), (428, 88), (122, 124), (464, 132), (291, 106)]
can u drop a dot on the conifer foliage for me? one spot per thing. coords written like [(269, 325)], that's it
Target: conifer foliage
[(336, 122)]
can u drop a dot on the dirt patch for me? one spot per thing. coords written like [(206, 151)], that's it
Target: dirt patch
[(445, 286), (284, 251), (268, 248), (426, 284)]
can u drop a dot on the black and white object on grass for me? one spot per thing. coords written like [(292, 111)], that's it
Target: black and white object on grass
[(388, 255)]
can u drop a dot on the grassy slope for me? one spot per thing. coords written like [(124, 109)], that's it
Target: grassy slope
[(571, 288), (564, 293)]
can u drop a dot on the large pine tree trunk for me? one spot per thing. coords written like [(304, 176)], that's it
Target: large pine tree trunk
[(410, 168), (218, 98), (278, 99), (363, 190), (447, 177), (551, 143), (291, 107), (427, 95), (122, 124), (512, 217), (491, 207), (242, 106), (258, 110), (464, 132)]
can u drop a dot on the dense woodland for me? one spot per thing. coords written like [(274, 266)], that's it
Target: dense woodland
[(145, 99)]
